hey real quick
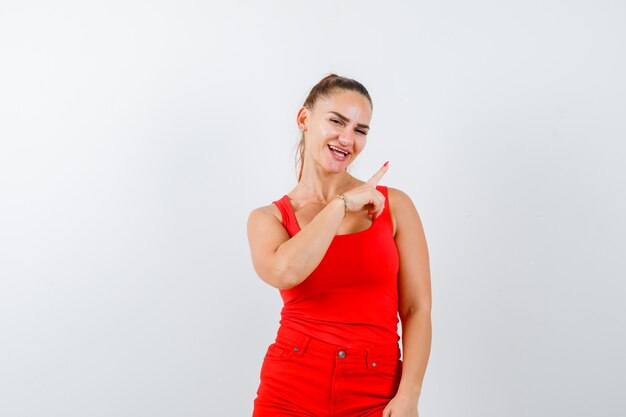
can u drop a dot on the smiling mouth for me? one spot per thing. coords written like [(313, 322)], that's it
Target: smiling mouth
[(338, 151)]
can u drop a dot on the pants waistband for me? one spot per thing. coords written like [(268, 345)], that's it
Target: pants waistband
[(300, 343)]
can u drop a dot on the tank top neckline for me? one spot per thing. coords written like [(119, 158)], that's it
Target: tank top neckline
[(360, 232)]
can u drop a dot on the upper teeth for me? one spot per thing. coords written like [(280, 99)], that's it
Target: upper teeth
[(337, 149)]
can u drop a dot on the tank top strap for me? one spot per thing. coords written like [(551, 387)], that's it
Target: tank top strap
[(385, 216), (289, 220)]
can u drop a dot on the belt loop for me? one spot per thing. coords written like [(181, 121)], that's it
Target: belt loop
[(304, 343), (368, 353)]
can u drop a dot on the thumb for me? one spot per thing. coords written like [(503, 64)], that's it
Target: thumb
[(379, 174)]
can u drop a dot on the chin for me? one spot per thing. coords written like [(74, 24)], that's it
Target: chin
[(338, 168)]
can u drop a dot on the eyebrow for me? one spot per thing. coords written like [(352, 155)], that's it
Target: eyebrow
[(345, 119)]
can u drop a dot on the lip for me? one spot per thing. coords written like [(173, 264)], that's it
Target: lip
[(337, 157), (340, 148)]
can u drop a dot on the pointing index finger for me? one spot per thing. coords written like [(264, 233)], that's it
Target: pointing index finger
[(379, 174)]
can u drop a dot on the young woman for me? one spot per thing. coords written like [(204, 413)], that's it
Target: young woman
[(349, 257)]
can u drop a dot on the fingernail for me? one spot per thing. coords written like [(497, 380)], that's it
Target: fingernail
[(386, 163)]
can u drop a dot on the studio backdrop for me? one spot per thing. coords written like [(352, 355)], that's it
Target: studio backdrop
[(136, 137)]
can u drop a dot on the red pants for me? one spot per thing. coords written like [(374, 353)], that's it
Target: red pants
[(302, 376)]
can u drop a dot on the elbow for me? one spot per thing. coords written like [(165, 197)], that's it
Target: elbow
[(284, 277), (412, 311), (277, 272), (286, 285)]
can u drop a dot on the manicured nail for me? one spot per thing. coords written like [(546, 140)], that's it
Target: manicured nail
[(386, 163)]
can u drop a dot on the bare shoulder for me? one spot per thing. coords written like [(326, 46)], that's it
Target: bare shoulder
[(401, 208), (265, 213), (398, 197), (265, 222), (265, 230)]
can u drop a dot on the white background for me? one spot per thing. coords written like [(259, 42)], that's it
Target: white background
[(136, 136)]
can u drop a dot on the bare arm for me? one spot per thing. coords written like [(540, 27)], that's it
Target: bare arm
[(285, 262), (414, 304)]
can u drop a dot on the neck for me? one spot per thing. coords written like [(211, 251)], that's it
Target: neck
[(325, 185)]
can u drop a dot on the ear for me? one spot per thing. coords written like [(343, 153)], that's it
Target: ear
[(302, 118)]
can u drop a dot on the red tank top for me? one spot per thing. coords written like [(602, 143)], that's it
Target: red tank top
[(351, 298)]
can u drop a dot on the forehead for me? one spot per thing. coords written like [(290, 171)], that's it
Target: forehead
[(351, 104)]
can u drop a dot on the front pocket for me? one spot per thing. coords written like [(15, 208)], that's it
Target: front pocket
[(387, 368), (275, 351), (283, 349)]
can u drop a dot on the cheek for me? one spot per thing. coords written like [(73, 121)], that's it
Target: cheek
[(360, 144), (329, 131)]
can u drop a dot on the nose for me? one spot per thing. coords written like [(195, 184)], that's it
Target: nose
[(346, 138)]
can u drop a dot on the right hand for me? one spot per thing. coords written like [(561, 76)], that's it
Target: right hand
[(366, 196)]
